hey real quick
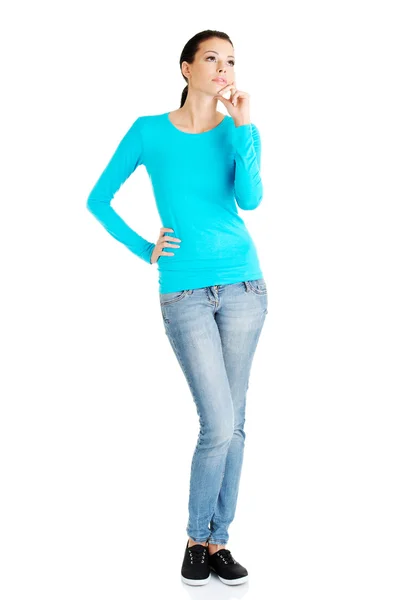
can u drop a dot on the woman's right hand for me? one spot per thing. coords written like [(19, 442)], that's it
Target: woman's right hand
[(161, 243)]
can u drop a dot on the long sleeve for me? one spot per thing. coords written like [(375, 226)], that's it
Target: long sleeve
[(123, 163), (248, 185)]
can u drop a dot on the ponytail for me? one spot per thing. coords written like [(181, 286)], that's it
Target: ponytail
[(184, 95)]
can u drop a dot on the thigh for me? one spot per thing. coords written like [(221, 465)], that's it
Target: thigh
[(194, 336), (240, 320)]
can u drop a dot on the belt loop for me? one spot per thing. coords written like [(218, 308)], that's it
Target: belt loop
[(247, 286)]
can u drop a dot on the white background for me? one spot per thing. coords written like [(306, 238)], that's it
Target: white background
[(97, 424)]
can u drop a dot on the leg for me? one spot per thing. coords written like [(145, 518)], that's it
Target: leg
[(192, 331), (240, 319)]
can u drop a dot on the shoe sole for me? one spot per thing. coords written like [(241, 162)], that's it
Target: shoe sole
[(196, 581), (236, 581)]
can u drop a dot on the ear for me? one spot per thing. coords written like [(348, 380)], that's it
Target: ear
[(185, 68)]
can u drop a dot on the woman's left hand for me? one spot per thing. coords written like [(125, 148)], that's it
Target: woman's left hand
[(238, 105)]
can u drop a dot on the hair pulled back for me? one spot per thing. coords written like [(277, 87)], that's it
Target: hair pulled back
[(190, 49)]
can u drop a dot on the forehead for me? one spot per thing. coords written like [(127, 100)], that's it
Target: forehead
[(217, 47)]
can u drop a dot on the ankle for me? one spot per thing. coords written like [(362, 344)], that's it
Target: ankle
[(192, 543), (215, 547)]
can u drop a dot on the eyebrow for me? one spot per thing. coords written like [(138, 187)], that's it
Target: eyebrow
[(229, 55)]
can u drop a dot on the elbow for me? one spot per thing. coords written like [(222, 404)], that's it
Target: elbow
[(95, 202), (92, 206), (91, 202), (250, 201)]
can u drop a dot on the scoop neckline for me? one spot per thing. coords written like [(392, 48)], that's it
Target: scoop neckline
[(200, 132)]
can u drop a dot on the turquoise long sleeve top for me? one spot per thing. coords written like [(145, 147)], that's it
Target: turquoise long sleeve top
[(199, 180)]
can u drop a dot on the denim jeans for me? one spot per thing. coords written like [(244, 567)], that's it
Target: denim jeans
[(214, 332)]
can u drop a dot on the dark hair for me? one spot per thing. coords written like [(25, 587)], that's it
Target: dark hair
[(190, 49)]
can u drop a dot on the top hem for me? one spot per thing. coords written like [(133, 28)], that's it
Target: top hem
[(200, 281)]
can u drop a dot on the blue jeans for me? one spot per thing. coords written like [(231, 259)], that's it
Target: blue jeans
[(214, 332)]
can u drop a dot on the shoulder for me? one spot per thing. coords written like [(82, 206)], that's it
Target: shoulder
[(149, 121), (145, 127)]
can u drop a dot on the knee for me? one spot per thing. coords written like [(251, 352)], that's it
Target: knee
[(218, 436)]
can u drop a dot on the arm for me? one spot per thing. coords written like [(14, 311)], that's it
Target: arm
[(248, 186), (124, 161)]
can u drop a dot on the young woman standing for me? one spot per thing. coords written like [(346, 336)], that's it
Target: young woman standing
[(213, 295)]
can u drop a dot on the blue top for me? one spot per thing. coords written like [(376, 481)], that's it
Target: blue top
[(198, 181)]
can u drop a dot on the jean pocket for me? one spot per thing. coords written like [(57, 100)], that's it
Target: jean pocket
[(258, 286), (171, 297)]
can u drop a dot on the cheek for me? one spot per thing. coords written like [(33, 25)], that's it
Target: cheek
[(206, 72)]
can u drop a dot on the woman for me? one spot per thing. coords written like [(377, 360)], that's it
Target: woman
[(213, 296)]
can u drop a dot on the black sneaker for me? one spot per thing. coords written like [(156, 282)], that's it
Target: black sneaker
[(195, 569), (227, 568)]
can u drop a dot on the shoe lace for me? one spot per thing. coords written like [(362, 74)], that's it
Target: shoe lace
[(226, 555), (197, 554)]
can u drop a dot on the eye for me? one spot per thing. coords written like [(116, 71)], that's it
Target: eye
[(232, 62)]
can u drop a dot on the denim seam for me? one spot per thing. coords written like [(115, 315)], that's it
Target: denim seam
[(176, 299), (258, 291), (194, 395), (170, 337)]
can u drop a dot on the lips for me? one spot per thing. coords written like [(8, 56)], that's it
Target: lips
[(220, 80)]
